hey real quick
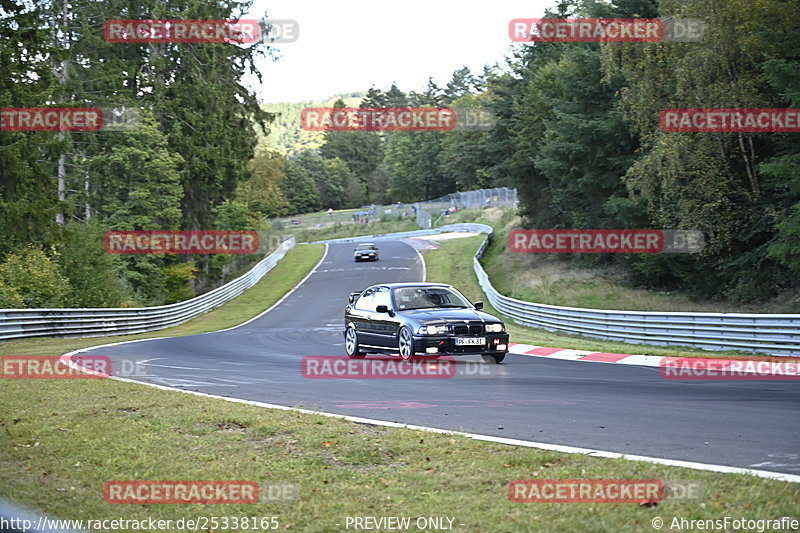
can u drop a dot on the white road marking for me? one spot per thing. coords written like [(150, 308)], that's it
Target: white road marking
[(360, 268), (420, 259), (183, 367), (276, 304), (178, 382), (791, 478)]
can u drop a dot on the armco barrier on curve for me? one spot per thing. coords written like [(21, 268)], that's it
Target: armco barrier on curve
[(97, 322), (768, 333), (772, 334)]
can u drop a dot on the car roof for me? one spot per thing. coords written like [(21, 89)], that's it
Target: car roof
[(410, 284)]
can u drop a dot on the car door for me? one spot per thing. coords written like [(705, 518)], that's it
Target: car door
[(385, 326), (361, 315)]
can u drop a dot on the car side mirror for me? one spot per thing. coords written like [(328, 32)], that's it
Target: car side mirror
[(384, 309), (478, 305), (353, 296)]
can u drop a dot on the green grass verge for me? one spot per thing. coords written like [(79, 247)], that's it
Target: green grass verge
[(62, 440), (452, 263), (281, 279), (341, 230)]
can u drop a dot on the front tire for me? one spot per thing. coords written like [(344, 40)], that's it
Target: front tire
[(493, 359), (351, 344), (405, 343)]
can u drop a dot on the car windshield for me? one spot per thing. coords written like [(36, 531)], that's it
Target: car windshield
[(406, 298), (366, 247)]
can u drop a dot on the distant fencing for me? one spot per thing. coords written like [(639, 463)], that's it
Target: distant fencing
[(97, 322), (431, 212), (371, 213)]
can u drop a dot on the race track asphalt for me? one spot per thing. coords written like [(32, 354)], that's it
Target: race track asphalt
[(618, 408)]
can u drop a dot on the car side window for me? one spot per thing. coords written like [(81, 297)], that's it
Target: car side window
[(364, 302), (381, 298)]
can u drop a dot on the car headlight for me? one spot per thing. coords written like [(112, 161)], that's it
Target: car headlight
[(494, 328), (432, 330)]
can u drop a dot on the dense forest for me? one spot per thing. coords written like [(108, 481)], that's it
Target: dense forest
[(285, 135), (577, 133)]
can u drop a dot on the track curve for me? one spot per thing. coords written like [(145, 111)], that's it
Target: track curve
[(626, 409)]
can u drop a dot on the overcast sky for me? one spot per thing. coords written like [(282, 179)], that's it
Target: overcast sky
[(349, 45)]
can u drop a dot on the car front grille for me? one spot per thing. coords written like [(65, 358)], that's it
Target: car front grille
[(471, 329)]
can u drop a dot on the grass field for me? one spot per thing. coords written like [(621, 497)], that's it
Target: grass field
[(62, 440), (340, 230)]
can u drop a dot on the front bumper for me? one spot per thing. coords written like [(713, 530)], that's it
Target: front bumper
[(446, 344), (367, 257)]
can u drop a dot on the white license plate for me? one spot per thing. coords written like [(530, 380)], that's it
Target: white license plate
[(470, 341)]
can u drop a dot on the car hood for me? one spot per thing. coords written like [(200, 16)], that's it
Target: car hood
[(447, 315)]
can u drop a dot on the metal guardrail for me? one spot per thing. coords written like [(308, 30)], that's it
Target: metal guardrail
[(774, 334), (469, 227), (424, 211), (98, 322)]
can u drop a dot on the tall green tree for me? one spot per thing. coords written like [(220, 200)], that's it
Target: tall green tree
[(711, 182), (362, 151), (462, 83), (262, 192), (300, 189), (28, 202)]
